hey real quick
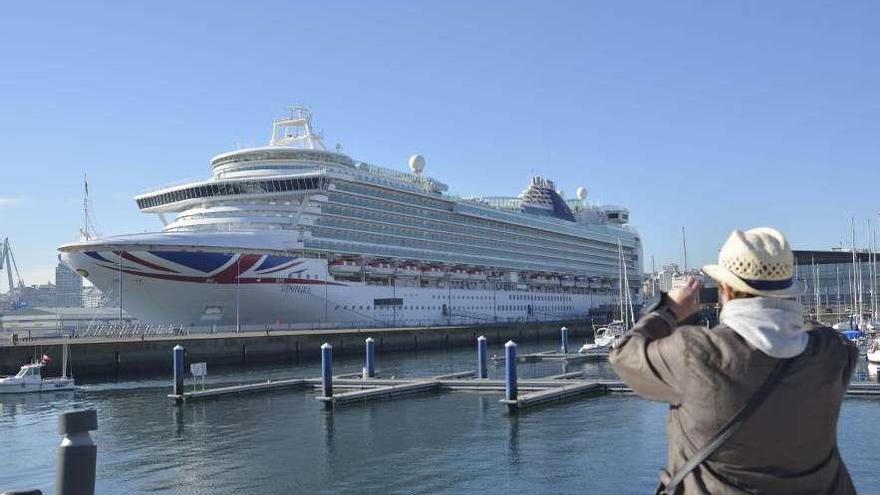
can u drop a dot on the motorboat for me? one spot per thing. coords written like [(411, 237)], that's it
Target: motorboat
[(408, 271), (432, 272), (30, 379), (604, 338), (345, 267), (873, 353)]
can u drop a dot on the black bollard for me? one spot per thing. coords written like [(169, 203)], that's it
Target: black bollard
[(75, 474), (179, 370)]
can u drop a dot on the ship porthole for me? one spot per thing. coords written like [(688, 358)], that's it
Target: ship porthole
[(82, 272)]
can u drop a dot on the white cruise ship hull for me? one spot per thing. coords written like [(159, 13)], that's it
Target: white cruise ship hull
[(170, 285)]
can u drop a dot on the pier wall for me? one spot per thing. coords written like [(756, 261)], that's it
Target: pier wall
[(133, 355)]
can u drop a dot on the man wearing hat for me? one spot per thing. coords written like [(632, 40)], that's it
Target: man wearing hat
[(754, 401)]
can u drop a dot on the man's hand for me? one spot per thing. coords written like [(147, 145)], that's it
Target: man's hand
[(685, 301)]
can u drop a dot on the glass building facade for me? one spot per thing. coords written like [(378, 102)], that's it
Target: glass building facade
[(832, 283)]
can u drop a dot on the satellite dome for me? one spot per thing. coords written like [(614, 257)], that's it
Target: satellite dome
[(582, 193), (417, 164)]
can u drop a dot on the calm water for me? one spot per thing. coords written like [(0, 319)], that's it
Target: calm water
[(284, 442)]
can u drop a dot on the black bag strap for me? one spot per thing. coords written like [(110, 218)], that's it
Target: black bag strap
[(730, 427)]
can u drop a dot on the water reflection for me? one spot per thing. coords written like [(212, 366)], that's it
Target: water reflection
[(873, 372), (179, 421), (513, 453)]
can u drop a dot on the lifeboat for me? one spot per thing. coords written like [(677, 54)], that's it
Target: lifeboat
[(542, 280), (379, 269), (408, 271), (458, 274), (344, 267), (478, 275), (432, 272)]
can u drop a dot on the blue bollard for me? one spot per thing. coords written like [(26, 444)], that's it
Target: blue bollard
[(371, 357), (563, 332), (510, 385), (178, 370), (482, 355), (327, 370)]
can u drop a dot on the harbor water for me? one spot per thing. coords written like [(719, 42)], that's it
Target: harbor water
[(285, 442)]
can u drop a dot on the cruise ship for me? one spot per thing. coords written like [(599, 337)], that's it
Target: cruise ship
[(292, 234)]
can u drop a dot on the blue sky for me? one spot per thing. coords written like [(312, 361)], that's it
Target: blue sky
[(709, 115)]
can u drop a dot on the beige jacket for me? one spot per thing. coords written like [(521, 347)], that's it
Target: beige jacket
[(789, 445)]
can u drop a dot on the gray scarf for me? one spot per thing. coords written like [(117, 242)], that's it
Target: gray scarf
[(773, 326)]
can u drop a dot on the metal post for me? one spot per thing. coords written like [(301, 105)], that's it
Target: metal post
[(563, 333), (370, 368), (327, 370), (75, 473), (510, 385), (482, 354), (178, 370)]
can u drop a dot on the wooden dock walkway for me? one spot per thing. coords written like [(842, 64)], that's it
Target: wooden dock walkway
[(535, 392), (354, 388), (555, 356)]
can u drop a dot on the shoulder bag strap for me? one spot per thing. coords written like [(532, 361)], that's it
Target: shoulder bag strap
[(731, 426)]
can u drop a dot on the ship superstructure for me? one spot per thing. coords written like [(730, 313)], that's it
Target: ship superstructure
[(292, 233)]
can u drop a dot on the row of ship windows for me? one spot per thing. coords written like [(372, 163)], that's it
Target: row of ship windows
[(502, 307), (394, 196), (475, 242), (342, 246), (503, 219), (279, 169), (504, 227), (441, 230), (231, 188), (431, 223), (511, 297), (312, 156), (549, 261)]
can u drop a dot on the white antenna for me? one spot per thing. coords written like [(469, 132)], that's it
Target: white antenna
[(88, 230), (684, 249)]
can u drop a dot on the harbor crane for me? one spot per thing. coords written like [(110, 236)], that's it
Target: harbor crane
[(7, 261)]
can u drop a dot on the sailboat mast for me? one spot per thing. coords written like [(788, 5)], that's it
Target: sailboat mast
[(684, 249), (852, 245), (623, 315), (816, 285), (653, 277), (837, 270), (64, 351), (631, 318), (874, 278)]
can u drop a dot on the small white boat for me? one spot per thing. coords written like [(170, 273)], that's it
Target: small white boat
[(604, 338), (345, 267), (408, 271), (873, 353), (432, 272), (30, 379)]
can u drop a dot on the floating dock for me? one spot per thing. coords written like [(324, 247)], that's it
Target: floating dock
[(360, 388), (562, 357)]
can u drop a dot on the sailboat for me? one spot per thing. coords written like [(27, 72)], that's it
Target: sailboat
[(605, 337), (873, 353), (30, 378)]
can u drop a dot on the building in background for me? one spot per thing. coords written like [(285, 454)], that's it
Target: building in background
[(68, 287), (42, 295), (832, 286), (94, 298)]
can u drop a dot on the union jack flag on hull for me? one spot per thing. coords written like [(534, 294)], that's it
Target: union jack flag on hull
[(206, 267)]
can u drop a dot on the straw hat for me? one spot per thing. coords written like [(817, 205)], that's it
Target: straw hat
[(758, 261)]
